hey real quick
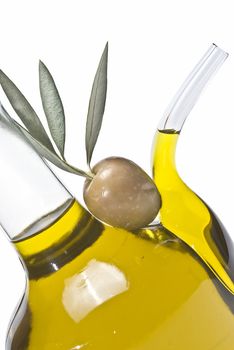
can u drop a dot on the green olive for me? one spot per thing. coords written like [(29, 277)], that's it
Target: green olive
[(121, 194)]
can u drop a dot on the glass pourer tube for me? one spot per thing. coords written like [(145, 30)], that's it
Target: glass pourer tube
[(183, 212)]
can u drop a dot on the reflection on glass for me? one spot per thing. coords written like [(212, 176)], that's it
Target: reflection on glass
[(97, 283), (78, 347)]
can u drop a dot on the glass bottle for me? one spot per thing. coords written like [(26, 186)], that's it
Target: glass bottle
[(93, 286)]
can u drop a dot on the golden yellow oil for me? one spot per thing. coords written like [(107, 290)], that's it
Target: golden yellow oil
[(168, 300), (92, 286), (187, 216)]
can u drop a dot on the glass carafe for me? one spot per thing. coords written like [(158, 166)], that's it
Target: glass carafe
[(93, 286)]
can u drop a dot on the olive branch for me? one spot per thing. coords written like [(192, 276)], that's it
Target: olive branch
[(53, 108)]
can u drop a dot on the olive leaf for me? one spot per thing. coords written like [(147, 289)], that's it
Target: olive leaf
[(43, 151), (52, 106), (53, 158), (96, 105), (25, 111)]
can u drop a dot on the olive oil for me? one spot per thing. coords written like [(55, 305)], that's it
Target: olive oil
[(187, 216), (93, 286)]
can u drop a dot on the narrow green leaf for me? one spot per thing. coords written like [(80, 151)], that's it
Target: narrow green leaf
[(53, 158), (96, 105), (25, 111), (42, 150), (52, 106)]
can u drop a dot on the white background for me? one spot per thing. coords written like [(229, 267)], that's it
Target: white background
[(152, 47)]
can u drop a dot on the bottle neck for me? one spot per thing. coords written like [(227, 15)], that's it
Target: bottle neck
[(47, 251), (32, 197)]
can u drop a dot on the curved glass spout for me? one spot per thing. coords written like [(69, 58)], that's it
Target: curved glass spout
[(187, 95), (183, 212), (31, 195)]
